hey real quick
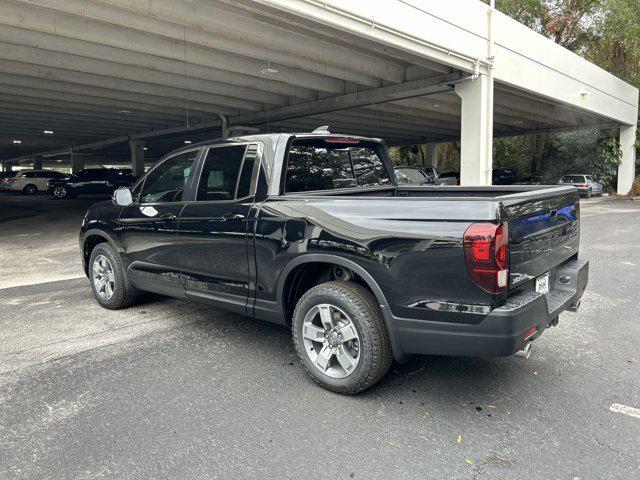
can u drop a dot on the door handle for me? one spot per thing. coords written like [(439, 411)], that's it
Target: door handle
[(168, 217), (233, 216)]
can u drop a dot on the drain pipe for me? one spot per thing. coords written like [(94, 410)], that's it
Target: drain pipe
[(225, 125), (228, 129)]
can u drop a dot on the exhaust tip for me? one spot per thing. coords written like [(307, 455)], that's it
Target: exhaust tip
[(525, 352), (574, 307)]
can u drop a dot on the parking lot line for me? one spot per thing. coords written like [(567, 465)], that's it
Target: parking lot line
[(619, 408)]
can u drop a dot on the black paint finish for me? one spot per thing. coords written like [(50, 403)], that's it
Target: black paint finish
[(404, 243)]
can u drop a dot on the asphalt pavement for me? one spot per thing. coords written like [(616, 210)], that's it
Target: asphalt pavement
[(170, 389)]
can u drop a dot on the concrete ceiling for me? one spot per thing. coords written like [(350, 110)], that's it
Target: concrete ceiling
[(96, 70)]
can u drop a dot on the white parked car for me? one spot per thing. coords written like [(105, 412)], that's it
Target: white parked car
[(32, 181)]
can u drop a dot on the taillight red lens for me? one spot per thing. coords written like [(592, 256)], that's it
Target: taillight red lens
[(583, 185), (12, 180), (486, 249)]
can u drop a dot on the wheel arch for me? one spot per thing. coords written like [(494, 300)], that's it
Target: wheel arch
[(90, 239), (361, 272)]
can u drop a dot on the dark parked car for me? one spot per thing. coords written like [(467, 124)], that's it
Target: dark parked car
[(91, 181), (285, 228), (503, 176), (530, 180), (449, 178)]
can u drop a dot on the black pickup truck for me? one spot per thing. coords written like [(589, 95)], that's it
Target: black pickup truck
[(312, 231)]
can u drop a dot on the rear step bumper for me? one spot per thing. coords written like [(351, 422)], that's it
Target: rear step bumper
[(505, 330)]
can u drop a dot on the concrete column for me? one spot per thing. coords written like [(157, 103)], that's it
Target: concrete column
[(38, 161), (137, 157), (77, 162), (431, 155), (476, 131), (7, 167), (627, 167)]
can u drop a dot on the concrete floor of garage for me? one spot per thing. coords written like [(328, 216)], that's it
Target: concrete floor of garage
[(170, 389)]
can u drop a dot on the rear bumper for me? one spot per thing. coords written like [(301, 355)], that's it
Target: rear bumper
[(502, 332)]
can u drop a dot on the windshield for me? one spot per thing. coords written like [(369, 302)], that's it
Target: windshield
[(331, 163)]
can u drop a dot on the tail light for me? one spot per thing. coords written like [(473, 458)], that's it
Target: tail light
[(583, 185), (12, 180), (486, 250), (341, 140)]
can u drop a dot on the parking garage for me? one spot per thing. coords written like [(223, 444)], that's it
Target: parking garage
[(171, 389)]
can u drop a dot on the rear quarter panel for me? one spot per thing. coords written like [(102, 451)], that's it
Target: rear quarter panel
[(412, 248)]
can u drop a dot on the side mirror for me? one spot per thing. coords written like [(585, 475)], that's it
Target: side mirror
[(122, 197)]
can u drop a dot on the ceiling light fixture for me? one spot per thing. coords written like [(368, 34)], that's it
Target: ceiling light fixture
[(144, 148), (268, 71), (17, 142), (48, 132), (187, 142), (124, 111), (436, 105), (518, 122)]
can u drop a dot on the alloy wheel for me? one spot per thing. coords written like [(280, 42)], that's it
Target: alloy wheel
[(60, 192), (103, 277), (331, 340)]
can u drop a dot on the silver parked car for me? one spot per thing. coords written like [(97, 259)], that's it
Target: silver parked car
[(585, 184)]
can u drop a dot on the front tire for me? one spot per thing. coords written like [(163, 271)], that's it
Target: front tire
[(340, 337), (107, 277)]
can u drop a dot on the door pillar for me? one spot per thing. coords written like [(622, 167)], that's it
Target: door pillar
[(627, 167), (476, 130)]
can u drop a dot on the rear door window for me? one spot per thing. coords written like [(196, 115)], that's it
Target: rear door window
[(224, 174), (332, 163)]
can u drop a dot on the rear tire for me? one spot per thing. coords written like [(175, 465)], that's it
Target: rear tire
[(30, 189), (589, 194), (369, 350), (60, 191), (107, 277)]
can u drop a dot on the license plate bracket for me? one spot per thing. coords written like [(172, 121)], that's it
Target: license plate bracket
[(542, 283)]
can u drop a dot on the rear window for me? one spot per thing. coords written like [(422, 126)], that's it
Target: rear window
[(328, 164)]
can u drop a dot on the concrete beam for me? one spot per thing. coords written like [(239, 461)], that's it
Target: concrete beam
[(215, 25), (416, 88), (627, 167), (150, 98), (476, 133)]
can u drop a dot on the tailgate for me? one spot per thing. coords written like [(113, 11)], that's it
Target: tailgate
[(543, 233)]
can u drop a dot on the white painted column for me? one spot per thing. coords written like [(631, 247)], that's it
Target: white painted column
[(476, 131), (431, 155), (627, 167)]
